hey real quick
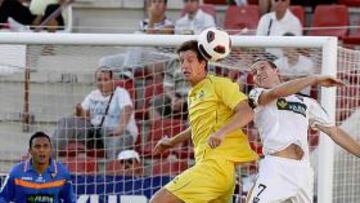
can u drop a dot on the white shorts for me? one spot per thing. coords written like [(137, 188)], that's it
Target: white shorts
[(282, 179)]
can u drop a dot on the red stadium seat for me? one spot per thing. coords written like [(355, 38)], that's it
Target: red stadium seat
[(218, 2), (299, 12), (207, 8), (348, 99), (338, 18), (353, 38), (143, 102), (240, 17), (256, 2), (158, 130), (169, 168), (350, 2), (72, 149), (81, 165), (127, 84)]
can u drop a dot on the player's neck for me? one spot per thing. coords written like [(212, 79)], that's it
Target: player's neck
[(40, 168)]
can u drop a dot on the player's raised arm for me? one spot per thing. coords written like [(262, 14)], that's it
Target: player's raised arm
[(167, 143), (319, 119), (243, 115), (342, 138), (261, 69)]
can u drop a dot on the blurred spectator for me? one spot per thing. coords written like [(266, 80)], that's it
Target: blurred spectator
[(294, 64), (195, 20), (157, 22), (277, 23), (173, 103), (280, 21), (118, 127), (32, 15), (130, 163)]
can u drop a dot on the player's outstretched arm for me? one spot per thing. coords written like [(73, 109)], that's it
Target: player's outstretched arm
[(341, 138), (243, 115), (167, 143), (296, 85)]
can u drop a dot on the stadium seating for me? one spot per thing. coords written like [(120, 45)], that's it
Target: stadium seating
[(299, 12), (158, 130), (217, 2), (350, 2), (238, 18), (72, 149), (207, 8), (127, 84), (353, 38), (143, 102), (348, 99), (169, 167), (81, 164), (256, 2), (322, 18)]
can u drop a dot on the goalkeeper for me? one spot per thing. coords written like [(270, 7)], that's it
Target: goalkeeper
[(217, 111), (39, 179)]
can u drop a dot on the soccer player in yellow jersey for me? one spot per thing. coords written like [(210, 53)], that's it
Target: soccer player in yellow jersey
[(217, 112)]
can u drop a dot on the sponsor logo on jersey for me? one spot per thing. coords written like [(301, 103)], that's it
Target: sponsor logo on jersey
[(40, 198), (296, 107), (26, 178)]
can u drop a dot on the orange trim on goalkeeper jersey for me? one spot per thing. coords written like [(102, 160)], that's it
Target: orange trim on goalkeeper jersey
[(32, 185)]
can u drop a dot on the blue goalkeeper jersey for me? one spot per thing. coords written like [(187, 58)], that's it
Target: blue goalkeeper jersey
[(25, 185)]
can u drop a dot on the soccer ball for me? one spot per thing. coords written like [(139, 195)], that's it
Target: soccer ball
[(214, 44)]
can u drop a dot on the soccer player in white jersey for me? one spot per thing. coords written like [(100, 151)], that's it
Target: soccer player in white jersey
[(283, 118)]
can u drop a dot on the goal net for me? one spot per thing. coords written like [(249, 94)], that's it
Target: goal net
[(43, 77)]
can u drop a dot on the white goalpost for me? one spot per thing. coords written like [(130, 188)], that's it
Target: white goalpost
[(56, 89)]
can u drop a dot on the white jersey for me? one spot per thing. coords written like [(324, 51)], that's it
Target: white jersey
[(286, 120)]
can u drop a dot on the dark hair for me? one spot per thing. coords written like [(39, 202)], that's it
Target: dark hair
[(149, 2), (191, 45), (271, 63), (104, 69), (37, 135)]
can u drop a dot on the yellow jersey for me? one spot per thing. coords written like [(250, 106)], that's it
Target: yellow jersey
[(211, 105)]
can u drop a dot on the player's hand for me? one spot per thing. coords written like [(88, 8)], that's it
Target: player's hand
[(329, 81), (177, 104), (163, 145), (215, 140)]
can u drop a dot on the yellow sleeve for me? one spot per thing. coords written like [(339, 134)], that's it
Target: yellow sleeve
[(229, 92)]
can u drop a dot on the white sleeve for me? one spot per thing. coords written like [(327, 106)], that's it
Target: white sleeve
[(85, 104), (261, 28), (254, 96), (318, 115), (123, 97), (298, 30)]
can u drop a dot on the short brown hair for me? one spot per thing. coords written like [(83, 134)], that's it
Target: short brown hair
[(191, 45)]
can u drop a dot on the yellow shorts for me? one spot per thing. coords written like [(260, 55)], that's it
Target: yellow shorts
[(209, 180)]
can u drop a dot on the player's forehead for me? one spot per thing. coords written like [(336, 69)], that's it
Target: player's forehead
[(40, 141), (187, 54), (259, 65)]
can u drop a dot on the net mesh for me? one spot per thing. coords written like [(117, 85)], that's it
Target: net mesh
[(41, 84)]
